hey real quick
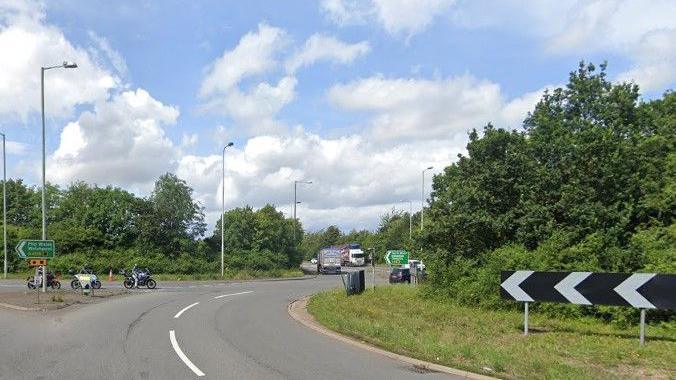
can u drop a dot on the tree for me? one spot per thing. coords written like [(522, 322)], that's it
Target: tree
[(171, 220)]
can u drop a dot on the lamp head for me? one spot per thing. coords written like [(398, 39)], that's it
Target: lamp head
[(230, 144), (69, 65)]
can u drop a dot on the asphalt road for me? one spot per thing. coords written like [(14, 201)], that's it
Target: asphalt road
[(221, 330)]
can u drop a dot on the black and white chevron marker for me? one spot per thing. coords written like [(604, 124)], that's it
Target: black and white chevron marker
[(640, 290)]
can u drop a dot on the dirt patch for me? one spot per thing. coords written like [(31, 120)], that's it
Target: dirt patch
[(33, 300)]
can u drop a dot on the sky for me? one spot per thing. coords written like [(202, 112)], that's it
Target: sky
[(356, 96)]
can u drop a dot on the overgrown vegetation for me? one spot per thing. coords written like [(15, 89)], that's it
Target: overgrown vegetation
[(588, 184), (492, 342), (111, 228)]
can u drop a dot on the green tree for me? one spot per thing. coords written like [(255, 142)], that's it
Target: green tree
[(170, 218)]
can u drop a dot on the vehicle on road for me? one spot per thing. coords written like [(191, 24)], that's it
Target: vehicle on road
[(400, 275), (144, 278), (329, 260), (76, 282), (417, 264), (352, 255), (36, 281), (313, 260)]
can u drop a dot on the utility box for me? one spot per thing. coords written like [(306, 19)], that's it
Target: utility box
[(354, 282)]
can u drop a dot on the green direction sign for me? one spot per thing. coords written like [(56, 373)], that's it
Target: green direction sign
[(36, 249), (397, 257)]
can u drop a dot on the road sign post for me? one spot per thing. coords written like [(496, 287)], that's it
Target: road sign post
[(639, 290)]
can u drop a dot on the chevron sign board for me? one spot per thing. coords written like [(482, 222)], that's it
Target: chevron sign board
[(640, 290)]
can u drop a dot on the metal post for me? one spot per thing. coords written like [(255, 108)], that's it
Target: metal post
[(223, 214), (422, 201), (4, 203), (410, 220), (223, 210), (295, 223), (44, 211), (525, 318), (642, 327), (373, 267)]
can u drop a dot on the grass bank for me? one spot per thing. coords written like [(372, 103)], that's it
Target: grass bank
[(229, 275), (492, 342)]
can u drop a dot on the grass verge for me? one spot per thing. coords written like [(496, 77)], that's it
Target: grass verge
[(229, 275), (492, 342)]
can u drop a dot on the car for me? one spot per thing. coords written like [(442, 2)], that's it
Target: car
[(313, 260), (400, 275)]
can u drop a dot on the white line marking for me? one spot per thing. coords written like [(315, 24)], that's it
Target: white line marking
[(181, 355), (232, 294), (185, 309)]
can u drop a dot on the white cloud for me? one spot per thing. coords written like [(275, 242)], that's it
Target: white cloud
[(236, 86), (121, 142), (254, 55), (16, 148), (27, 44), (429, 109), (349, 173), (189, 140), (322, 47), (395, 16), (641, 30), (112, 55)]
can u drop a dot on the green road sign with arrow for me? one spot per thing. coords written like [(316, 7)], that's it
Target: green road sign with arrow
[(396, 257), (36, 249)]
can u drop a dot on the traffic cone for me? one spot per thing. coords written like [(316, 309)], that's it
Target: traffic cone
[(110, 275)]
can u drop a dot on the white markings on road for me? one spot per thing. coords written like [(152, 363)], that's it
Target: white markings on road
[(181, 355), (232, 294), (185, 309)]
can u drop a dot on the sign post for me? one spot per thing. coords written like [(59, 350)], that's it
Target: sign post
[(640, 290)]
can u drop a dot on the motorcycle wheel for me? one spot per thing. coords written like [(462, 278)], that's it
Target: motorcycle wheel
[(151, 284), (128, 283), (75, 284), (56, 285), (31, 283), (96, 284)]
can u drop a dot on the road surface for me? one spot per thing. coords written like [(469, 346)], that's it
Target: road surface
[(184, 331)]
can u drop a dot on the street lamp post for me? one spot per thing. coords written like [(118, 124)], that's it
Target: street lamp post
[(295, 202), (410, 219), (422, 198), (4, 203), (223, 210), (64, 65)]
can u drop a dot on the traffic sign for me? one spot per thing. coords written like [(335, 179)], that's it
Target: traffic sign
[(639, 290), (36, 249), (396, 257), (37, 262)]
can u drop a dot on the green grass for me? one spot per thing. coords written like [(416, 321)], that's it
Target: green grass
[(229, 275), (396, 319)]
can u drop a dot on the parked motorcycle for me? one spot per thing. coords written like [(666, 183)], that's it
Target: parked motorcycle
[(36, 281), (144, 279), (77, 284)]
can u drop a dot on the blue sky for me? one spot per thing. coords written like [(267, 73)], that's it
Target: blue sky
[(356, 96)]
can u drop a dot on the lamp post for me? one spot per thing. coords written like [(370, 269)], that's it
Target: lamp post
[(295, 202), (410, 219), (4, 203), (223, 210), (422, 197), (64, 65)]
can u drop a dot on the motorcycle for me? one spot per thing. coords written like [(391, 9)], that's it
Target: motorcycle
[(77, 284), (36, 281), (144, 279)]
